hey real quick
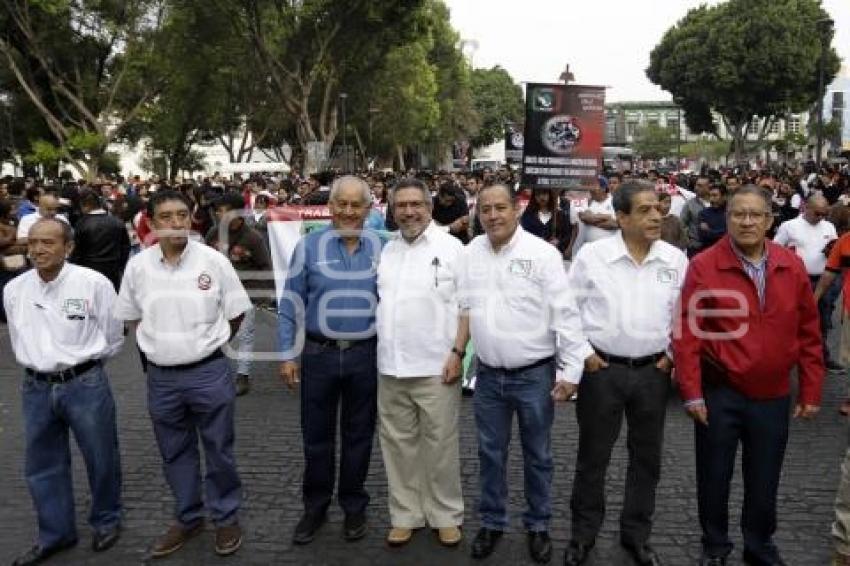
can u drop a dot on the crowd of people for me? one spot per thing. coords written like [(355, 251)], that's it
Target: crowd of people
[(717, 283)]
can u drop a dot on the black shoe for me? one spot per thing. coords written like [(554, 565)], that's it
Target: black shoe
[(306, 529), (832, 365), (706, 560), (540, 546), (643, 555), (38, 554), (753, 560), (105, 540), (485, 542), (577, 553), (354, 526)]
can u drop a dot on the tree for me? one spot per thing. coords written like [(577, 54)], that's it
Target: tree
[(310, 49), (86, 67), (706, 149), (498, 99), (655, 142), (743, 58)]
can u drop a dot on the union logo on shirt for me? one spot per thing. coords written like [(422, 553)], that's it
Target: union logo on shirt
[(204, 281)]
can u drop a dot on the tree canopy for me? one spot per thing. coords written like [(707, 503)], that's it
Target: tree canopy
[(744, 58)]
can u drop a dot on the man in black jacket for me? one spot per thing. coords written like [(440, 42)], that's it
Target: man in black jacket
[(101, 241)]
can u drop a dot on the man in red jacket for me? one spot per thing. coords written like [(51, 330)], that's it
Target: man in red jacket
[(748, 317)]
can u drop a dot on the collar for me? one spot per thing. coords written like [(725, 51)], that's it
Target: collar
[(337, 237), (159, 256), (48, 285), (427, 234), (518, 233), (728, 255), (620, 251)]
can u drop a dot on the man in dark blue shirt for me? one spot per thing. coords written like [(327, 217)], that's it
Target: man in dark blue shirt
[(330, 296), (712, 219)]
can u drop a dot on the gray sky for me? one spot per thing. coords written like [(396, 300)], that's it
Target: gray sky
[(606, 42)]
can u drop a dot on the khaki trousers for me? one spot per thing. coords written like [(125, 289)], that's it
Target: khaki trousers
[(841, 525), (419, 441)]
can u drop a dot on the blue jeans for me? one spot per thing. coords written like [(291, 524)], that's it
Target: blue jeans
[(245, 343), (498, 395), (85, 406), (186, 404)]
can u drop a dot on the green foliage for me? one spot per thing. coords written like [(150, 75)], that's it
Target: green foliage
[(743, 58), (710, 150), (655, 142), (498, 100)]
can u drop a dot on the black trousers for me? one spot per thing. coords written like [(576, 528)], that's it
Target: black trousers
[(338, 386), (603, 398), (761, 427)]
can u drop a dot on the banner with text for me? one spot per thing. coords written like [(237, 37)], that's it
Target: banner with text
[(513, 143), (564, 129)]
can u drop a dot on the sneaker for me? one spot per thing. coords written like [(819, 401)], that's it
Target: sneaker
[(174, 538), (354, 526), (243, 385), (228, 539)]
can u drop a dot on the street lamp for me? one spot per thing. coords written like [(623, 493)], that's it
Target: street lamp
[(824, 26), (342, 97)]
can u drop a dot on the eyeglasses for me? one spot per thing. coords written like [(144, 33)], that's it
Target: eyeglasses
[(741, 215)]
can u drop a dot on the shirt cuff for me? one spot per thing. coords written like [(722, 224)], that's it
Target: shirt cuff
[(569, 374), (694, 402)]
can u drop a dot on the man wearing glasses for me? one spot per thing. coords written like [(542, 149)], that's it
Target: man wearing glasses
[(809, 236), (748, 317)]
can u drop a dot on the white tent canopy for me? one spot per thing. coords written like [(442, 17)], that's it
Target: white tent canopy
[(270, 167)]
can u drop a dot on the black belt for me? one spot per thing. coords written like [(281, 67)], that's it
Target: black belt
[(64, 375), (537, 364), (629, 362), (333, 343), (192, 365)]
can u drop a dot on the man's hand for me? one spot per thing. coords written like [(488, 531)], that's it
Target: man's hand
[(452, 369), (805, 411), (594, 363), (698, 412), (564, 390), (289, 374), (665, 364), (459, 225)]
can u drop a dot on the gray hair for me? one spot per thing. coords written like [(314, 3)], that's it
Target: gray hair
[(412, 183), (339, 182), (766, 196), (67, 231)]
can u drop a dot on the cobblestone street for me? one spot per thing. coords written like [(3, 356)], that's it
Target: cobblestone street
[(270, 460)]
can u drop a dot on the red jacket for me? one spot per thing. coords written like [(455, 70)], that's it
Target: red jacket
[(721, 319)]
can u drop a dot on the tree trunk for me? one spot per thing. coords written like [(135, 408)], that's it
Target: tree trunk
[(400, 152)]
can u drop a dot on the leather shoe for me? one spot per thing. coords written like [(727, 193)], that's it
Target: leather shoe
[(643, 554), (577, 553), (354, 526), (540, 546), (305, 530), (38, 554), (485, 542), (105, 540), (399, 536), (753, 560), (706, 560)]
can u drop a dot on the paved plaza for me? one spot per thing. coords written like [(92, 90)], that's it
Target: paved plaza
[(270, 461)]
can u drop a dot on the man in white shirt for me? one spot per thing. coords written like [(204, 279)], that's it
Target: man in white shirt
[(513, 288), (48, 207), (594, 221), (187, 302), (421, 343), (626, 290), (809, 234), (62, 329)]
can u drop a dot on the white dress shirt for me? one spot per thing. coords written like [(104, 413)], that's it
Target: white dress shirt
[(418, 310), (626, 309), (808, 241), (27, 222), (586, 232), (517, 302), (185, 308), (62, 323)]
